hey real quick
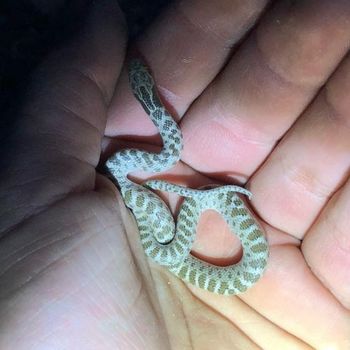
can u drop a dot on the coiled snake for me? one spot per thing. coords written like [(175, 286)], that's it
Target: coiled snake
[(170, 245)]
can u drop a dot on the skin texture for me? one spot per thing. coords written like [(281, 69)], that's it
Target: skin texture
[(274, 112)]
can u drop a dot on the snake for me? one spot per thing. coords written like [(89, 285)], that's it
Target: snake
[(168, 243)]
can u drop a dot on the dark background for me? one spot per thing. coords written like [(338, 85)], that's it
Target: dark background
[(29, 29)]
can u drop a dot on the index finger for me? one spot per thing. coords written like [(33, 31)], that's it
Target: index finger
[(185, 49)]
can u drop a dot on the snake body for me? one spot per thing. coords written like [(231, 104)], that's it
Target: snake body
[(166, 243)]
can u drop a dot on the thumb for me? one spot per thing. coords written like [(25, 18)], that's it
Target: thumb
[(57, 140)]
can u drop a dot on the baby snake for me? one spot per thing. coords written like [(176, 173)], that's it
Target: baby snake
[(170, 245)]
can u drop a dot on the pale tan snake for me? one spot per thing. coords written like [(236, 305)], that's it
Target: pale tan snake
[(170, 245)]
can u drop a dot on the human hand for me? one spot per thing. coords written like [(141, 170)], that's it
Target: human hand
[(67, 278), (271, 111)]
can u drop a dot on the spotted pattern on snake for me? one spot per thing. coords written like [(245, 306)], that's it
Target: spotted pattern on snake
[(166, 243)]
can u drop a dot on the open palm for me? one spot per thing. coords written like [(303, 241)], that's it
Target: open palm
[(271, 111)]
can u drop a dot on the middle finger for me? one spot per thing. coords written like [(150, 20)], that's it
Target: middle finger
[(236, 122)]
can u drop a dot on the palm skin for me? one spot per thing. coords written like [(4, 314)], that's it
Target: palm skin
[(73, 275)]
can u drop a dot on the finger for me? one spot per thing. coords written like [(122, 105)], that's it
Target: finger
[(311, 162), (326, 247), (290, 282), (185, 49), (234, 125), (291, 297), (56, 144)]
